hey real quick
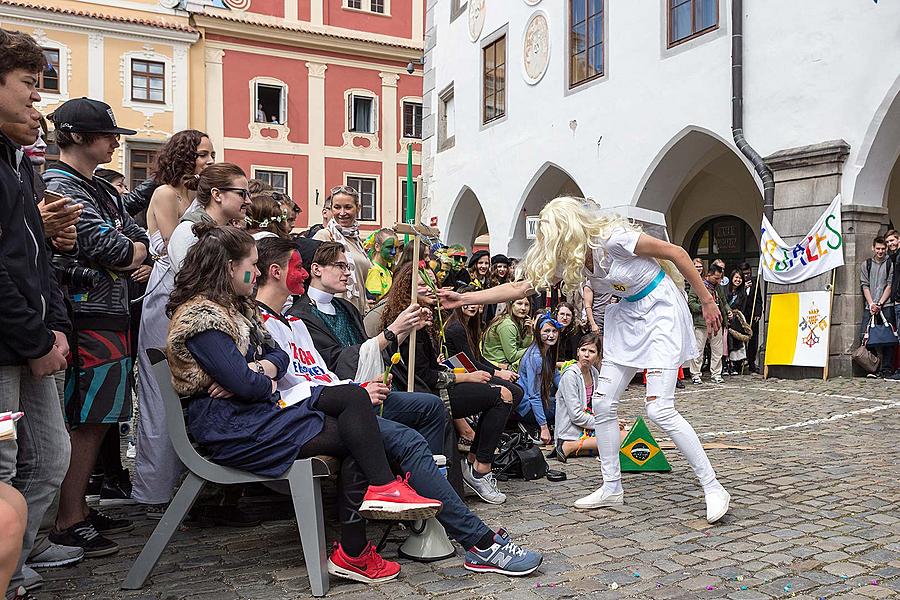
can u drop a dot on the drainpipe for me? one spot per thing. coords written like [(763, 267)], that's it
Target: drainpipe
[(737, 109)]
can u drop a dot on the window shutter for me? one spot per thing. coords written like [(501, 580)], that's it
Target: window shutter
[(351, 100), (283, 108), (375, 114)]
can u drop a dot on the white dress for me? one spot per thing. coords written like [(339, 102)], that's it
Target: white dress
[(655, 332)]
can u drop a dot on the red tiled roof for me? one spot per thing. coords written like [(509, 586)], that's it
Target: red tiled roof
[(105, 17), (302, 27)]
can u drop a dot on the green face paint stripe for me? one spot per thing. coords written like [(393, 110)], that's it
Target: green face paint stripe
[(247, 276)]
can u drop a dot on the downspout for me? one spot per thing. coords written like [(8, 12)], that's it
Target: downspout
[(737, 109)]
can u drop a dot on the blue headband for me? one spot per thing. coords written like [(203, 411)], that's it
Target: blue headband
[(548, 319)]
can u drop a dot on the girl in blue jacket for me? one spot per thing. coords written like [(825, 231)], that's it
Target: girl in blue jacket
[(539, 377)]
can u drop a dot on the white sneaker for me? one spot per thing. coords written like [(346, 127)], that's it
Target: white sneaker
[(601, 498), (717, 502), (485, 486), (695, 379), (717, 379)]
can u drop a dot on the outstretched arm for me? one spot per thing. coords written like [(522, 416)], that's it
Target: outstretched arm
[(652, 247), (494, 295)]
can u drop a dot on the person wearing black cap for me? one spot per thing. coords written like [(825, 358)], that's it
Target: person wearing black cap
[(498, 275), (477, 272), (110, 245)]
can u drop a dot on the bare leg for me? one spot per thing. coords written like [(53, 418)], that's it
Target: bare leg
[(13, 516), (86, 441)]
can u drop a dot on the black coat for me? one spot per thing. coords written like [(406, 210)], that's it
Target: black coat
[(342, 360), (31, 304)]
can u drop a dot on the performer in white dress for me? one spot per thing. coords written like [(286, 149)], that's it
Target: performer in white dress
[(650, 328)]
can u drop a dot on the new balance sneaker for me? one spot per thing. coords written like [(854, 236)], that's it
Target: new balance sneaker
[(85, 536), (601, 498), (397, 501), (485, 486), (54, 555), (103, 523), (717, 502), (503, 557), (368, 567)]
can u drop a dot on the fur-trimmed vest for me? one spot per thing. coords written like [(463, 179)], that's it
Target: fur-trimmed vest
[(196, 316)]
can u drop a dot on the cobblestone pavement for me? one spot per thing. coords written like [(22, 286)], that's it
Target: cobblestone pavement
[(814, 515)]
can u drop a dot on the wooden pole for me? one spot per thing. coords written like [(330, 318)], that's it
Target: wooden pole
[(411, 355), (828, 341)]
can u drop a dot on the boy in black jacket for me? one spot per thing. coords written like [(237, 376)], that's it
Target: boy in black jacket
[(32, 313)]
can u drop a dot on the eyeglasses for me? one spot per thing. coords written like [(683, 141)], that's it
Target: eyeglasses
[(339, 265), (244, 192), (343, 189)]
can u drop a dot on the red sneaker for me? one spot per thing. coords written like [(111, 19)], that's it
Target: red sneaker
[(397, 501), (368, 567)]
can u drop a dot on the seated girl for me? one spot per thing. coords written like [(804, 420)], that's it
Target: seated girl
[(539, 376), (574, 414), (463, 336), (227, 366), (508, 335), (467, 394)]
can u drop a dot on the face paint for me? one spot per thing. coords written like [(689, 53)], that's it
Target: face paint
[(248, 277), (389, 251), (296, 274)]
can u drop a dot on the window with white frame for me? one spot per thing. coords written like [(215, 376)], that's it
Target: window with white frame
[(412, 120), (403, 195), (148, 81), (366, 187), (273, 177), (361, 113), (48, 79), (380, 7), (271, 103), (446, 119)]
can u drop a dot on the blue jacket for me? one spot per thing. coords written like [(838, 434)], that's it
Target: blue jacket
[(530, 381)]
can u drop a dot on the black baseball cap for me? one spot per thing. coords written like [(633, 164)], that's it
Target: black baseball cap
[(83, 115)]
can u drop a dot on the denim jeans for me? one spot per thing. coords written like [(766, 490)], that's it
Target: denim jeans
[(422, 412), (35, 463), (410, 450)]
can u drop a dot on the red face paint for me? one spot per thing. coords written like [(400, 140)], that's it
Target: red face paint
[(296, 274)]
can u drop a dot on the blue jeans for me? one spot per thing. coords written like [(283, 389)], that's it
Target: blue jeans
[(35, 463), (410, 450), (422, 412)]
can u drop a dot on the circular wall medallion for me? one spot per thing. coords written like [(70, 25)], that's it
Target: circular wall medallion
[(476, 19), (536, 48), (532, 2), (238, 4)]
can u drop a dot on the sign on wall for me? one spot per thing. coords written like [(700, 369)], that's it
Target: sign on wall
[(799, 325), (531, 224), (821, 250)]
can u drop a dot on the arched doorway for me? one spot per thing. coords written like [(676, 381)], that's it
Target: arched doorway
[(549, 182), (729, 238), (467, 221), (879, 175), (698, 180)]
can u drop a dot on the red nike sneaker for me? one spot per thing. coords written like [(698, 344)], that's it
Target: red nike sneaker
[(368, 567), (397, 501)]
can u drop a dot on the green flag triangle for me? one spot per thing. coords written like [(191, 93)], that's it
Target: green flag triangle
[(640, 452)]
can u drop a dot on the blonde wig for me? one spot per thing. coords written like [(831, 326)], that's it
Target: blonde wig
[(568, 229)]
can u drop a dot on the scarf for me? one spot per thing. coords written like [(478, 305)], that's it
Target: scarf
[(347, 236)]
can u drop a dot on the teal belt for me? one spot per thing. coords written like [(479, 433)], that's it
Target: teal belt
[(648, 288)]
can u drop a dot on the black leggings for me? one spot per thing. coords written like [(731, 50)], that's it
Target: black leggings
[(350, 432), (467, 399)]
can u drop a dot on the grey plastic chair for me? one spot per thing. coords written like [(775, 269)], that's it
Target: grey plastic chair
[(303, 478)]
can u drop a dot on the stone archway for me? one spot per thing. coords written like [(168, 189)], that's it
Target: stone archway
[(879, 175), (466, 221), (549, 182), (698, 176)]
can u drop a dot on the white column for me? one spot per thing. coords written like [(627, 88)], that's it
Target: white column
[(215, 104), (316, 116), (389, 156), (290, 10), (316, 12), (181, 82), (95, 66), (418, 20)]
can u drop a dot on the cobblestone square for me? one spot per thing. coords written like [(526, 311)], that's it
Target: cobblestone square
[(814, 514)]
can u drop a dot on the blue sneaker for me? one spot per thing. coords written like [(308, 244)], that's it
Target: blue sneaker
[(503, 557)]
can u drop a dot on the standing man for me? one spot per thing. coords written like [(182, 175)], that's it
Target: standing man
[(32, 312), (875, 276), (753, 313), (110, 246), (712, 283)]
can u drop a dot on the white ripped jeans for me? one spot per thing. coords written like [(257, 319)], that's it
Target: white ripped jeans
[(660, 402)]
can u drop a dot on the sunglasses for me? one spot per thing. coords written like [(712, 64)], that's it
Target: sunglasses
[(243, 192), (343, 189)]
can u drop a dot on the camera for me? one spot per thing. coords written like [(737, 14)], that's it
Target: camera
[(78, 277)]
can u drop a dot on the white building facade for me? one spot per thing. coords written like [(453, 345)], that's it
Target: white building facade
[(630, 103)]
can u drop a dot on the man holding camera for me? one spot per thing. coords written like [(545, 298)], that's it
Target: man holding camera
[(110, 244), (32, 312)]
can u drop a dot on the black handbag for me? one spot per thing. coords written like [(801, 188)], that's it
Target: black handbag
[(880, 335), (518, 457)]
